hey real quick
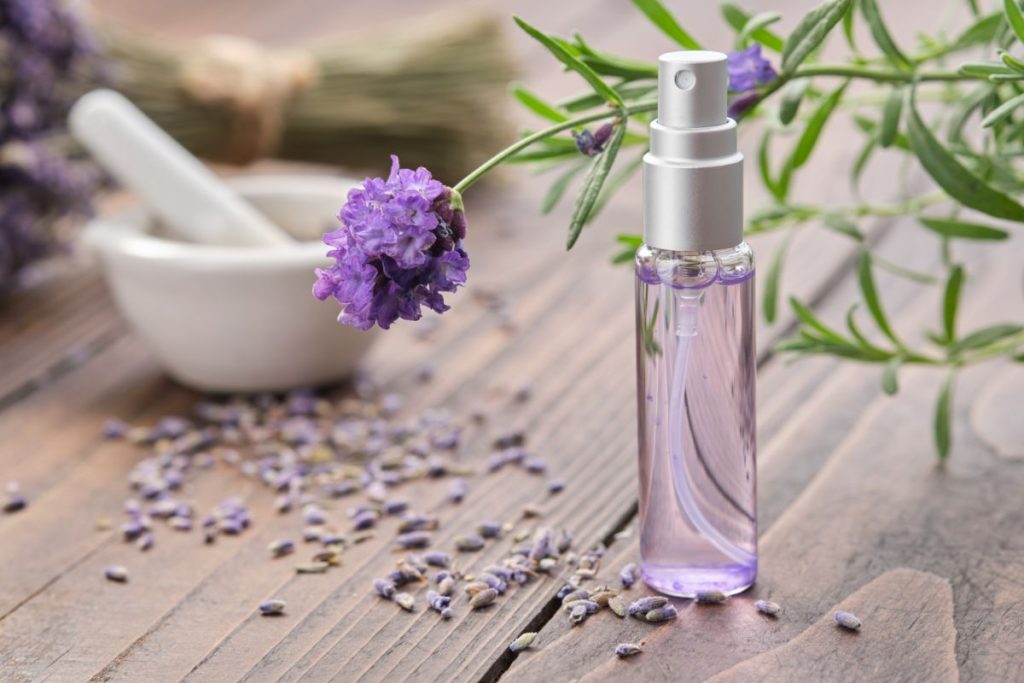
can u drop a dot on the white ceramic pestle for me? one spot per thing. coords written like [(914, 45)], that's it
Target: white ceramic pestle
[(188, 198)]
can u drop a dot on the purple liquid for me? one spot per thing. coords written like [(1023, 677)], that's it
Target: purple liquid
[(695, 346)]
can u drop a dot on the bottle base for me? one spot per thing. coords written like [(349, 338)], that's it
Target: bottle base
[(687, 581)]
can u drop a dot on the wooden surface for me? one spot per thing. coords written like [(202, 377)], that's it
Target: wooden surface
[(854, 513)]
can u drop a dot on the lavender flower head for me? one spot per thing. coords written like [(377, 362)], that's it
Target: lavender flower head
[(398, 249), (748, 70)]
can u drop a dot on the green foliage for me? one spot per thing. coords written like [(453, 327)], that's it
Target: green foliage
[(972, 148)]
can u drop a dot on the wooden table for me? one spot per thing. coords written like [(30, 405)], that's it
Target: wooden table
[(854, 512)]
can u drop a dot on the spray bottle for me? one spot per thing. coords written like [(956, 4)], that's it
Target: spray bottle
[(695, 341)]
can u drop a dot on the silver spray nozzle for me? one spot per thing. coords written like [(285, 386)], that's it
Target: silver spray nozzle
[(693, 173)]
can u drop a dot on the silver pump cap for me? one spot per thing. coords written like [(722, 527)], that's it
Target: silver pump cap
[(693, 173)]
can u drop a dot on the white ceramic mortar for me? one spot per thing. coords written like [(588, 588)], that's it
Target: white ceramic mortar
[(235, 319)]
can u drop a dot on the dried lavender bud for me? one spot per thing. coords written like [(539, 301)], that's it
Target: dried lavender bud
[(145, 541), (116, 573), (629, 575), (457, 490), (281, 547), (603, 597), (114, 429), (618, 606), (331, 556), (314, 515), (627, 649), (510, 440), (414, 539), (312, 534), (469, 544), (209, 536), (532, 510), (848, 620), (564, 542), (14, 503), (489, 529), (772, 609), (522, 642), (364, 520), (589, 605), (437, 558), (395, 507), (711, 597), (495, 582), (555, 486), (414, 522), (535, 466), (384, 588), (483, 598), (547, 564), (638, 608), (657, 616), (311, 568), (446, 586), (181, 523), (438, 602), (565, 590), (405, 601), (578, 613), (578, 594), (272, 607), (330, 538)]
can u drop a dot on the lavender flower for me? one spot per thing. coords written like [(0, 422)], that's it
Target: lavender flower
[(748, 69), (592, 144), (398, 249)]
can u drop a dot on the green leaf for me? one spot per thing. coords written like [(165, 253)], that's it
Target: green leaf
[(664, 20), (952, 176), (943, 431), (862, 161), (873, 128), (807, 317), (952, 227), (1015, 17), (792, 95), (771, 282), (848, 27), (869, 8), (592, 100), (890, 380), (1012, 62), (951, 301), (962, 113), (809, 138), (737, 17), (630, 243), (612, 186), (890, 126), (537, 105), (843, 225), (866, 279), (984, 69), (764, 166), (755, 24), (811, 32), (986, 336), (596, 176), (865, 343), (1003, 111), (563, 55), (558, 188), (980, 32)]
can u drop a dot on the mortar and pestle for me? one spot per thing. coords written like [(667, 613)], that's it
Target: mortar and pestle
[(216, 276)]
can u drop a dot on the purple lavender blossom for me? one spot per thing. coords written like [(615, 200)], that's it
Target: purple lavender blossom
[(748, 69), (591, 144), (48, 54), (741, 104), (398, 249)]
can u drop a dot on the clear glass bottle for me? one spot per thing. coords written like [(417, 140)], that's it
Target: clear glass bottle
[(696, 367)]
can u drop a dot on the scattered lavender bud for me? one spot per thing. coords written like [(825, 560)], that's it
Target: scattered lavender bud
[(578, 594), (395, 507), (627, 649), (457, 490), (272, 607), (590, 606), (618, 606), (565, 590), (661, 614), (416, 563), (564, 542), (312, 534), (555, 486), (314, 515), (489, 529), (522, 642), (638, 608), (364, 520), (532, 510), (413, 539), (578, 614), (848, 620), (772, 609), (209, 536), (629, 575), (331, 556), (711, 597), (535, 466), (390, 404), (114, 429), (603, 597), (384, 588), (14, 503), (509, 440), (405, 601), (483, 598), (180, 523), (145, 541), (116, 573), (547, 564), (469, 544), (311, 568), (414, 522), (438, 602), (437, 559), (281, 547), (446, 586)]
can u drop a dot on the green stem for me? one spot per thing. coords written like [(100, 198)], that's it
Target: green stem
[(533, 138)]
